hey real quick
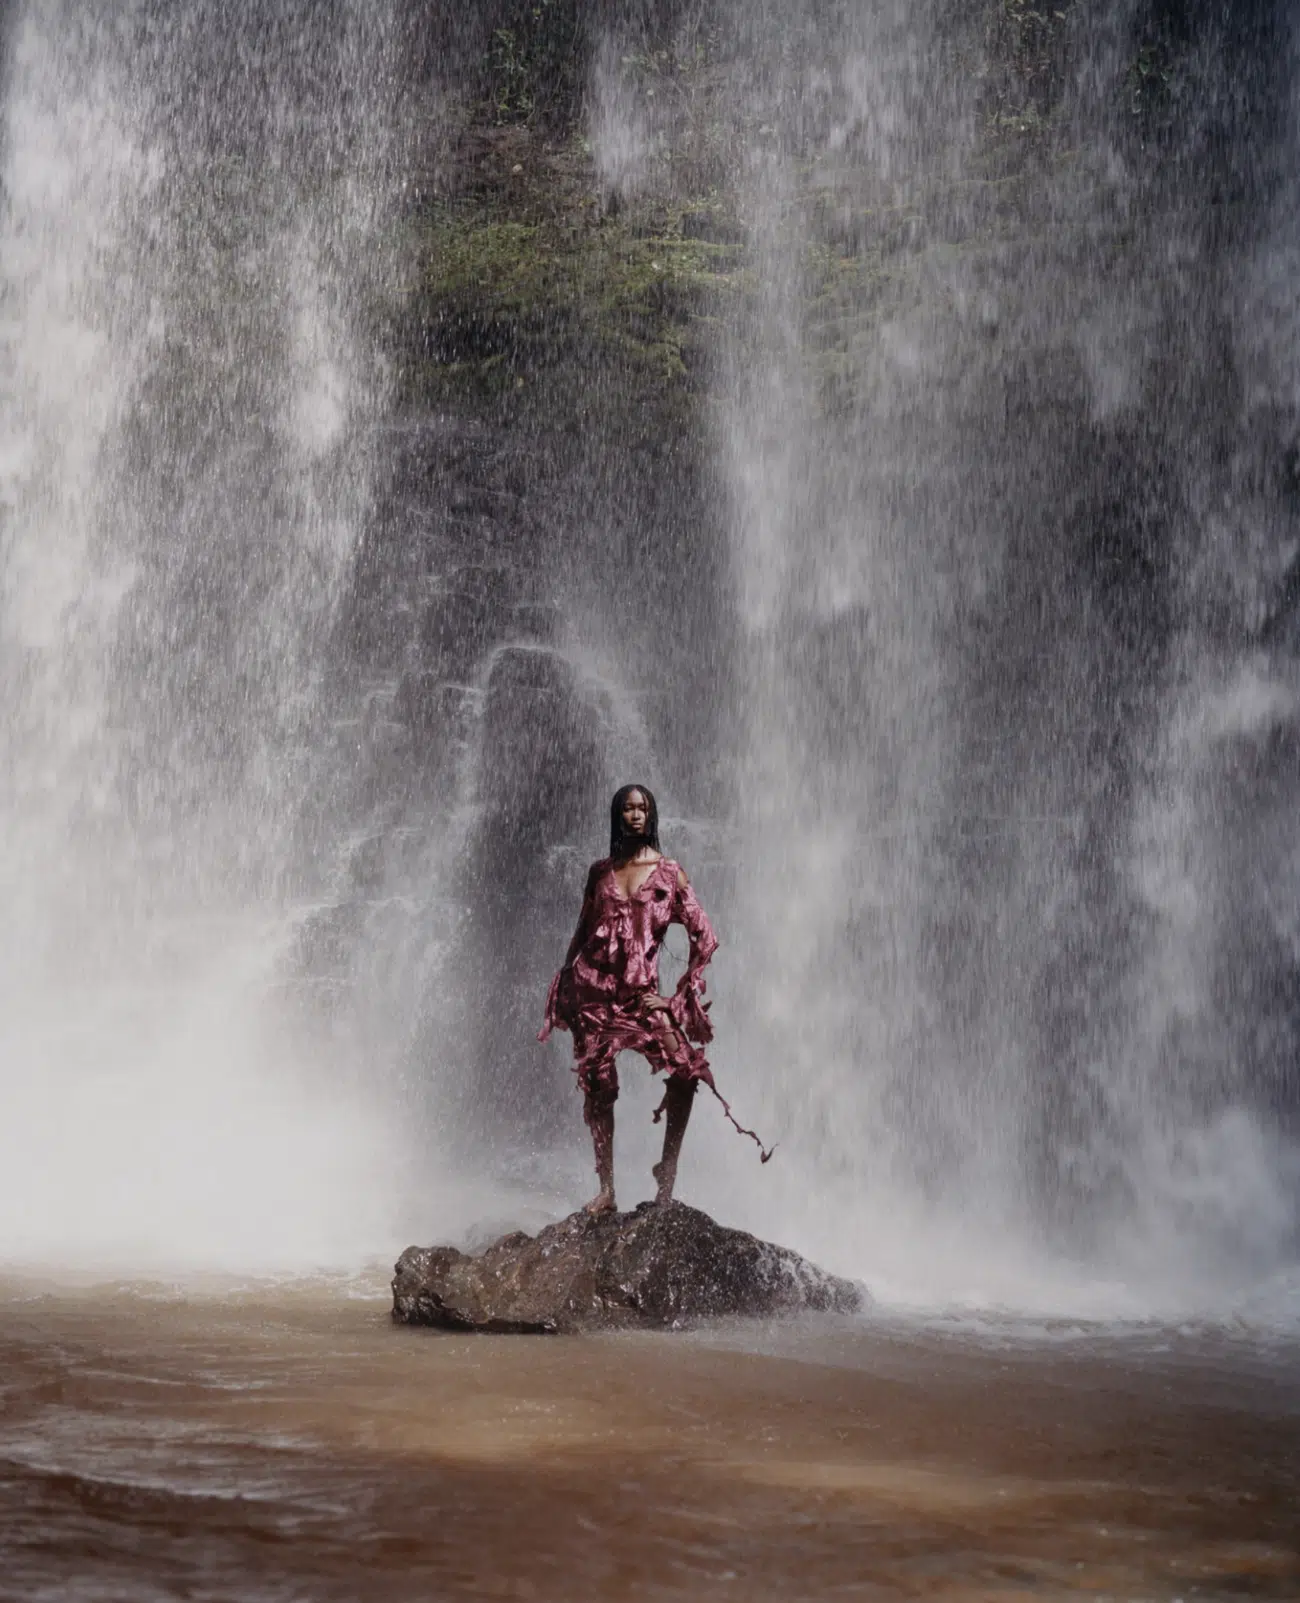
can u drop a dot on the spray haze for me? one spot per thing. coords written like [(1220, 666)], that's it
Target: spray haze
[(1014, 925), (189, 197), (876, 424)]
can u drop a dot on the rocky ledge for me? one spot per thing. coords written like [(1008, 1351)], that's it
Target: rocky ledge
[(654, 1269)]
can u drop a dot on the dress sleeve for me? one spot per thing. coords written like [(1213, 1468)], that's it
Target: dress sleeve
[(554, 1018), (557, 1011), (688, 1007)]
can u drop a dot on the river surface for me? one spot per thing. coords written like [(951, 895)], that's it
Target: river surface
[(282, 1440)]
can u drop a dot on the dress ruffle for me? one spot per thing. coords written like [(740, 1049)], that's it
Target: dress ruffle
[(613, 966)]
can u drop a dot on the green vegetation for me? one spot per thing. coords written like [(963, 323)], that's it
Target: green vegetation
[(535, 62), (530, 277), (1024, 47), (530, 271)]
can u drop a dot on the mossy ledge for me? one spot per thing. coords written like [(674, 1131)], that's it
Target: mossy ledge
[(523, 269)]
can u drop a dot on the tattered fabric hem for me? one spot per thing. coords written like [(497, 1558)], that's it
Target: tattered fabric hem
[(764, 1153), (612, 1029)]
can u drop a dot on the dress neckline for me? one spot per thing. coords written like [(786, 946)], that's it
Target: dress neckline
[(631, 896)]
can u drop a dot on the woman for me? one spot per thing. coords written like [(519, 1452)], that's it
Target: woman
[(607, 993)]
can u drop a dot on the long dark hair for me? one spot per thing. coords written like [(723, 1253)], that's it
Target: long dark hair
[(621, 844)]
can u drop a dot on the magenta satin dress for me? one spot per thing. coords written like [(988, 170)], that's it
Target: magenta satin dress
[(613, 963)]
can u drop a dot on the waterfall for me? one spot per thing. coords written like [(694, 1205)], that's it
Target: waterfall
[(192, 199), (1013, 529), (938, 568)]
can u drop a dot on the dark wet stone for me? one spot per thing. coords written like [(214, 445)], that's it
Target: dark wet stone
[(656, 1268), (712, 224), (461, 621), (433, 707), (542, 621)]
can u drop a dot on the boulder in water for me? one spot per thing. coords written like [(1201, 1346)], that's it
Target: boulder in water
[(656, 1268)]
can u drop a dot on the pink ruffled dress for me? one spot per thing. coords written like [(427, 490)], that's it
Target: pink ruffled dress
[(613, 964)]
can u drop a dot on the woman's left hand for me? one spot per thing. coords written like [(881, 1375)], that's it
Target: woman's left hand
[(653, 1003)]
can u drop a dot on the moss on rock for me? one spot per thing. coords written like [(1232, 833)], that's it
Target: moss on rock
[(523, 269)]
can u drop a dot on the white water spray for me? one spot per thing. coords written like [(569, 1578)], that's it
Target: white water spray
[(184, 483), (991, 973)]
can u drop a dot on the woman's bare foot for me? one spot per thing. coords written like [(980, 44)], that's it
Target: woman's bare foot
[(603, 1202), (666, 1178)]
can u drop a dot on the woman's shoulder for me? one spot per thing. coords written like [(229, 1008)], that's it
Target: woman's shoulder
[(672, 869)]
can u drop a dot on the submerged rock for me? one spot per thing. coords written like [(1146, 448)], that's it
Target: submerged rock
[(656, 1268)]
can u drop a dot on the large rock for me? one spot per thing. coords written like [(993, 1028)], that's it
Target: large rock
[(657, 1268)]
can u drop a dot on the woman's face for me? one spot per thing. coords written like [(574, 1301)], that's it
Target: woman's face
[(636, 813)]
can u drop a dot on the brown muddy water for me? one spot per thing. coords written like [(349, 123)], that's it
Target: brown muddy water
[(286, 1442)]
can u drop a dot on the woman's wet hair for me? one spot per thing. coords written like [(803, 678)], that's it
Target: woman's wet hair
[(621, 844)]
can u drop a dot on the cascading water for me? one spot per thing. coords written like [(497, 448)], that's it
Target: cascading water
[(191, 195), (872, 423), (961, 649), (1013, 533)]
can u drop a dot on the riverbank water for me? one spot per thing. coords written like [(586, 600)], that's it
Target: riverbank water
[(277, 1440)]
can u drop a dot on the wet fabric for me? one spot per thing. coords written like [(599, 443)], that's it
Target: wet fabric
[(613, 966)]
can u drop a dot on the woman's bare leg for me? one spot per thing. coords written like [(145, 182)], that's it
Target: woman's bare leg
[(600, 1121), (678, 1096)]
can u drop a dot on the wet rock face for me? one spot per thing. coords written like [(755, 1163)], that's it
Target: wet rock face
[(656, 1268)]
